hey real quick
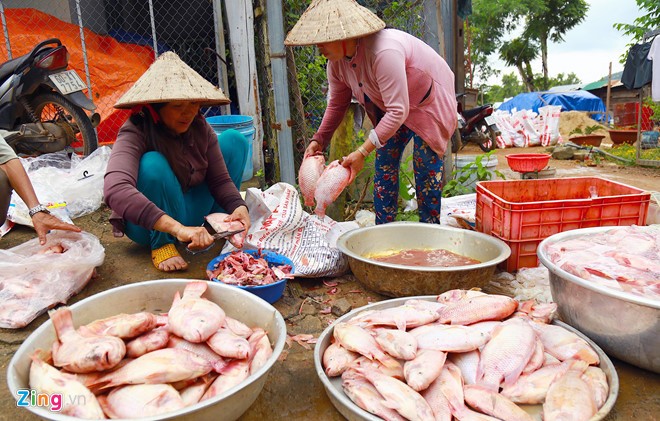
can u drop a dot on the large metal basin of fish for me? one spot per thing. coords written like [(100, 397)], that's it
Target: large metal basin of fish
[(625, 325), (352, 412), (157, 296), (396, 280)]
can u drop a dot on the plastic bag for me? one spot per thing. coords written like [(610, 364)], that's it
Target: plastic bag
[(34, 278), (70, 187), (279, 224), (548, 123)]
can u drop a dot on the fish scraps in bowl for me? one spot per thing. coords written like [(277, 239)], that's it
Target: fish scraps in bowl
[(250, 268)]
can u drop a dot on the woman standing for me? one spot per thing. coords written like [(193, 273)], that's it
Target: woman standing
[(168, 168), (406, 88)]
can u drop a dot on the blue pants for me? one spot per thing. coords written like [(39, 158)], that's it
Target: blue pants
[(157, 182), (428, 168)]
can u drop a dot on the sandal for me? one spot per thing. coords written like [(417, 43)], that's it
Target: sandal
[(163, 253)]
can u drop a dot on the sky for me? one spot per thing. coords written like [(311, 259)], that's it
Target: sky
[(589, 47)]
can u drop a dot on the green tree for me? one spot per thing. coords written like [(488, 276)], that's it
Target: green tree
[(520, 52), (538, 21), (510, 87), (562, 79), (550, 20)]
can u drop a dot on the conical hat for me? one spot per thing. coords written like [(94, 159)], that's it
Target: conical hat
[(170, 79), (333, 20)]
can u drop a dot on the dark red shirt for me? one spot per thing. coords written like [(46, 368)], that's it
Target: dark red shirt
[(196, 152)]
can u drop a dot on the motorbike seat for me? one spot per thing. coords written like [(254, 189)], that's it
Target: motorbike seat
[(10, 66), (474, 111)]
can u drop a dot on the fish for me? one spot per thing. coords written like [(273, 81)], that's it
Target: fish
[(569, 398), (564, 344), (309, 173), (228, 345), (597, 381), (365, 395), (437, 401), (336, 359), (478, 308), (260, 349), (123, 326), (147, 342), (76, 399), (79, 353), (532, 388), (507, 353), (192, 317), (467, 362), (203, 350), (233, 375), (193, 393), (167, 365), (421, 371), (218, 225), (359, 340), (492, 403), (398, 343), (239, 328), (331, 183), (449, 338), (399, 396), (143, 400)]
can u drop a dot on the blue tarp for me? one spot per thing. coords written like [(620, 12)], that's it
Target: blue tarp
[(569, 101)]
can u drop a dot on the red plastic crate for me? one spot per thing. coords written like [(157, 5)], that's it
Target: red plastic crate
[(522, 213)]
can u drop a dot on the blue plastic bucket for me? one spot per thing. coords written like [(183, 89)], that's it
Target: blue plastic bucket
[(242, 123), (271, 292)]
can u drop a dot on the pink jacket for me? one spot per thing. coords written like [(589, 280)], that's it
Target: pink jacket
[(395, 70)]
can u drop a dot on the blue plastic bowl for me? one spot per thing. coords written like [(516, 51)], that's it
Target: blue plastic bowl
[(271, 292)]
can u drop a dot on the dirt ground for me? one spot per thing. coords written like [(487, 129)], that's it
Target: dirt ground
[(293, 390)]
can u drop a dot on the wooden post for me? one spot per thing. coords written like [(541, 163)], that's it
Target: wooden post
[(240, 20), (607, 97)]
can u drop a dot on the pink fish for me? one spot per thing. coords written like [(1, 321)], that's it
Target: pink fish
[(332, 182), (146, 400), (192, 317), (336, 359), (218, 223), (123, 326), (167, 365), (229, 345), (310, 171), (150, 341), (76, 399), (83, 353)]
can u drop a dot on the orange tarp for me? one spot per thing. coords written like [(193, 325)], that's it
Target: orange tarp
[(113, 66)]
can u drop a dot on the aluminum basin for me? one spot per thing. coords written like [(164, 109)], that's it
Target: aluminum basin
[(625, 325), (396, 280), (352, 412), (157, 296)]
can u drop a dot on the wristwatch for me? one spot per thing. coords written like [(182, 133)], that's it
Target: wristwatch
[(39, 208)]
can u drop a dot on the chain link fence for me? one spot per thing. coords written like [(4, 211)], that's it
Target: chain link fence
[(111, 43)]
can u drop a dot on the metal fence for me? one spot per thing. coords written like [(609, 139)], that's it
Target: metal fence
[(112, 42)]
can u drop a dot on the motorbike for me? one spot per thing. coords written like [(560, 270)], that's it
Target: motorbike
[(42, 106), (475, 125)]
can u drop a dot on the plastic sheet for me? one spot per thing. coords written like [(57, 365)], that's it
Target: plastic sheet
[(70, 187), (34, 278)]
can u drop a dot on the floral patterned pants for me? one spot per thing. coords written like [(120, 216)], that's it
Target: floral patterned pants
[(428, 168)]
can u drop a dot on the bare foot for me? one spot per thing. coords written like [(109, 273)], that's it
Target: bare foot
[(173, 264)]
